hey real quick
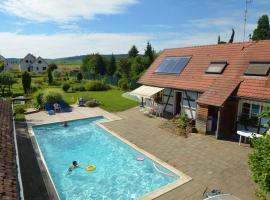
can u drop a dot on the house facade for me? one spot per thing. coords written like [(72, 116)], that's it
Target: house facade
[(221, 87), (32, 64), (7, 65)]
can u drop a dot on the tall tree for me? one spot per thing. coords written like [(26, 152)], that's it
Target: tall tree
[(94, 64), (149, 52), (124, 67), (262, 32), (133, 52), (111, 67), (50, 76), (232, 36), (26, 81)]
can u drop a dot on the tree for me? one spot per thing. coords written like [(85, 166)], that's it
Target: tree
[(94, 64), (79, 76), (259, 163), (2, 66), (133, 52), (219, 41), (138, 65), (50, 77), (149, 52), (124, 67), (52, 66), (111, 67), (6, 80), (232, 36), (26, 81), (262, 32)]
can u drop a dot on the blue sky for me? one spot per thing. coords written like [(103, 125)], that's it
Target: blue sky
[(59, 28)]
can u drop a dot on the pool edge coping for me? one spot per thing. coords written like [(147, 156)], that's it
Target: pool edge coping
[(49, 183), (164, 189)]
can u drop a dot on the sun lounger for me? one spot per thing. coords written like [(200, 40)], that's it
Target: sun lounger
[(49, 109), (81, 102), (64, 107)]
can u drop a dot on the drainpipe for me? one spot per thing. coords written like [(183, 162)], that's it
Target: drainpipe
[(218, 120), (19, 176)]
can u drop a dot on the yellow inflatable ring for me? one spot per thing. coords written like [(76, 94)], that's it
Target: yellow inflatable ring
[(90, 168)]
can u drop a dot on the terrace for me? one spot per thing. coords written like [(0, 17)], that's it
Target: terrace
[(209, 162)]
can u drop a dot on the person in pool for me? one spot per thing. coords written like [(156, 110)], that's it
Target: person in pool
[(73, 166), (65, 124)]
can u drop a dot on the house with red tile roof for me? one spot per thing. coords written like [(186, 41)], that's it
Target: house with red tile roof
[(222, 87)]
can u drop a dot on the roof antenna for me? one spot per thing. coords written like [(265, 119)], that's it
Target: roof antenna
[(245, 19)]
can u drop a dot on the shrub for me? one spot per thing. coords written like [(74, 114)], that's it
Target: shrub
[(65, 87), (57, 74), (50, 77), (123, 83), (71, 90), (259, 163), (96, 85), (79, 88), (52, 96), (39, 99), (79, 76), (92, 103), (19, 109)]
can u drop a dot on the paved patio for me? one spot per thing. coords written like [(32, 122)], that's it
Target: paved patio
[(209, 162), (77, 113)]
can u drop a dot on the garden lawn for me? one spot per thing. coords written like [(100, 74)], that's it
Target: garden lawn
[(111, 100)]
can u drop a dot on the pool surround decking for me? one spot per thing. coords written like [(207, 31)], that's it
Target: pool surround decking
[(82, 113)]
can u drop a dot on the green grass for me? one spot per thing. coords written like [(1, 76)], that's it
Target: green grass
[(111, 100)]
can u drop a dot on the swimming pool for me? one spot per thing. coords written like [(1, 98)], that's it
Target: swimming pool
[(118, 174)]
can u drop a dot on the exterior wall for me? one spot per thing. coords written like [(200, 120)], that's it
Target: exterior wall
[(253, 103), (188, 107), (40, 66), (7, 65), (27, 63), (166, 94), (201, 119), (189, 104), (227, 119)]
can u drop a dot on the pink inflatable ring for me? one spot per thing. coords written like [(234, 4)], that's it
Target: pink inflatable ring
[(140, 159)]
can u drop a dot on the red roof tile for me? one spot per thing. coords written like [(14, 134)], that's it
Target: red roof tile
[(217, 87), (8, 171)]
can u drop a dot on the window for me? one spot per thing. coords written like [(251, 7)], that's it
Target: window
[(173, 65), (258, 69), (37, 68), (216, 67), (44, 68), (246, 109), (39, 62), (26, 61)]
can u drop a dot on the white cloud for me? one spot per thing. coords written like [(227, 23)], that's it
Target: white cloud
[(71, 44), (65, 44), (63, 10)]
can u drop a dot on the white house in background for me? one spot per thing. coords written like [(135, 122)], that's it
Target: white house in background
[(7, 64), (32, 64)]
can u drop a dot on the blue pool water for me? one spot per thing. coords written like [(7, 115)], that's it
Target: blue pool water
[(117, 176)]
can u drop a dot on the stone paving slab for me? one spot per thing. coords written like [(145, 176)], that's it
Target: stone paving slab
[(216, 164), (42, 117)]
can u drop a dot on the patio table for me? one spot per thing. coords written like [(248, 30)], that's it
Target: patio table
[(247, 134)]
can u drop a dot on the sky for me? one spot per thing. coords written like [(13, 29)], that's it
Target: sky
[(61, 28)]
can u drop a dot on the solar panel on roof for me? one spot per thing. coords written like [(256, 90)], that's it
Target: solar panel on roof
[(173, 65), (258, 69)]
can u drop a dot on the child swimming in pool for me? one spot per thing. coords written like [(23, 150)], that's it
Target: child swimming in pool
[(73, 166), (65, 124)]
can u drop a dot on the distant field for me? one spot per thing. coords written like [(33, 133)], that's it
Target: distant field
[(68, 67)]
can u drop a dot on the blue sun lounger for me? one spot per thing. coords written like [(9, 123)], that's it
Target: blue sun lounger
[(49, 109), (65, 107)]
